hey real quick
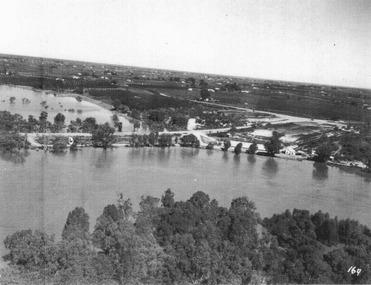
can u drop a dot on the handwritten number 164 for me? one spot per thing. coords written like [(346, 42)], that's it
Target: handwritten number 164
[(354, 270)]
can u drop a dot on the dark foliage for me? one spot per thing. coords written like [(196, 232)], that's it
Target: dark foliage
[(194, 241)]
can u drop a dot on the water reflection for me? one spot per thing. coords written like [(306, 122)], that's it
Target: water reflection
[(225, 155), (357, 172), (15, 157), (236, 159), (189, 152), (320, 171), (270, 167), (209, 152), (163, 154), (105, 159), (251, 158)]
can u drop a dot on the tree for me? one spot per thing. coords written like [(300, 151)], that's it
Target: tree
[(59, 120), (115, 119), (165, 140), (116, 104), (43, 120), (237, 149), (273, 145), (103, 136), (148, 215), (89, 125), (323, 152), (233, 129), (77, 225), (43, 116), (11, 142), (167, 199), (12, 99), (32, 124), (28, 249), (119, 126), (153, 138), (156, 116), (59, 145), (132, 256), (253, 148), (190, 141), (227, 145), (136, 125), (204, 93)]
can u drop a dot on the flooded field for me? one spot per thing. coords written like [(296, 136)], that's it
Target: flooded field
[(55, 105)]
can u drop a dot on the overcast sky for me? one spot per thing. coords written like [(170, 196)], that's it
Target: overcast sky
[(316, 41)]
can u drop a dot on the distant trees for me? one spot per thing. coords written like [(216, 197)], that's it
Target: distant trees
[(59, 144), (190, 141), (230, 87), (59, 121), (136, 125), (273, 145), (156, 116), (43, 121), (227, 145), (116, 103), (323, 152), (253, 148), (204, 93), (238, 148), (89, 125), (191, 80), (103, 136), (165, 140)]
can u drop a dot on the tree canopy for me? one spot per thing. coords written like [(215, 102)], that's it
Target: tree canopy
[(103, 136), (194, 241)]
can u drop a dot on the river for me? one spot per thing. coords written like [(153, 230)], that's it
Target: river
[(39, 192)]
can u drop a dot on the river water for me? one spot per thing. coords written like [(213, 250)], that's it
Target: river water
[(39, 192)]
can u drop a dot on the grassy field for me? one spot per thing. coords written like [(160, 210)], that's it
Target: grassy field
[(302, 103)]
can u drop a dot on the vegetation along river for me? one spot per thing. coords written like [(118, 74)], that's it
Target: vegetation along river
[(40, 192)]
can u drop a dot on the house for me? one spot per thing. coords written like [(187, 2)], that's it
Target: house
[(289, 151)]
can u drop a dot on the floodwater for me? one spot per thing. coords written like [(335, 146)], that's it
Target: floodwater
[(55, 105), (39, 192)]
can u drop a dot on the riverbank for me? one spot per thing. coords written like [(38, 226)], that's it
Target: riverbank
[(351, 169)]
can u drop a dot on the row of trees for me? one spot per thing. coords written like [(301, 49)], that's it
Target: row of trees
[(16, 123), (194, 241)]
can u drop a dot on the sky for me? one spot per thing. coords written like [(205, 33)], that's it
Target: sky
[(317, 41)]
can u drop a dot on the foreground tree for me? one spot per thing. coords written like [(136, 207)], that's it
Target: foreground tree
[(103, 136), (77, 225)]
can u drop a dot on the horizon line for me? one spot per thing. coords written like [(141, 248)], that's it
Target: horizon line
[(185, 71)]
